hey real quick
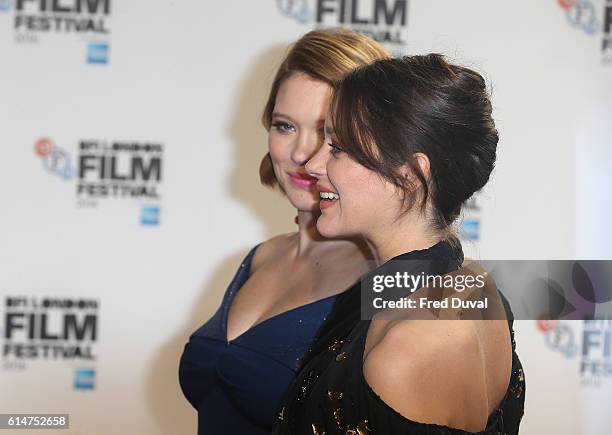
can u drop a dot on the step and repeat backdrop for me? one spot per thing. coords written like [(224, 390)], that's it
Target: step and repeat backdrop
[(130, 147)]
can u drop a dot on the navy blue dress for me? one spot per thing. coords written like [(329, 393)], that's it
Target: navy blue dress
[(237, 387)]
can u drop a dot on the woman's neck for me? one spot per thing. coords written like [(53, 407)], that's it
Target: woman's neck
[(310, 241), (409, 233)]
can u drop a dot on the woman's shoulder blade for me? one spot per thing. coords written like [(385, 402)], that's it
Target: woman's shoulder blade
[(428, 371)]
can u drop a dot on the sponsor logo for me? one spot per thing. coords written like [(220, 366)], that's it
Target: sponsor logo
[(470, 229), (5, 5), (383, 20), (149, 215), (84, 379), (97, 53)]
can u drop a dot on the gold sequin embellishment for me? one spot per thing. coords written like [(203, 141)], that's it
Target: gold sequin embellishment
[(317, 429), (361, 429), (334, 398), (337, 344), (341, 356)]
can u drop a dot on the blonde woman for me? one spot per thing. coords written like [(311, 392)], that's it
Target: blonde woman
[(236, 368)]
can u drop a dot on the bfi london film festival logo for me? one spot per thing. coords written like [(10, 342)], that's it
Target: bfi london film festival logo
[(584, 15), (384, 20), (34, 19), (49, 329), (592, 345), (109, 170)]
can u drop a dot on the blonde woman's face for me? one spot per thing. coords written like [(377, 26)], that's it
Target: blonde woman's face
[(296, 133)]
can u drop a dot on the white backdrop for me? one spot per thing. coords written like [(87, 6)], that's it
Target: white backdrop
[(181, 85)]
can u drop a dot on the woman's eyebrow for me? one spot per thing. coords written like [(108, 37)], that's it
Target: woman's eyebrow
[(282, 115), (329, 130)]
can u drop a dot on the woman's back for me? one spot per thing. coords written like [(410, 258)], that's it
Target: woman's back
[(451, 372), (339, 390)]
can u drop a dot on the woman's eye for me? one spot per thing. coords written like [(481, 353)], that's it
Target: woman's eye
[(283, 127), (334, 149)]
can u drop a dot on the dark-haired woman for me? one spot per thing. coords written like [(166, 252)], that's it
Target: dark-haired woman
[(410, 140), (237, 367)]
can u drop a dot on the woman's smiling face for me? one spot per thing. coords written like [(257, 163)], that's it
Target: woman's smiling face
[(296, 134), (355, 201)]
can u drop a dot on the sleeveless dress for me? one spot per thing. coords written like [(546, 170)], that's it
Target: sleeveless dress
[(331, 394), (237, 386)]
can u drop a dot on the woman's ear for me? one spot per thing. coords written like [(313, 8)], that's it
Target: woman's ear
[(423, 162), (408, 174)]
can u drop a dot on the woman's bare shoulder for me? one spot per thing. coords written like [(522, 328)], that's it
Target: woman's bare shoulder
[(431, 371), (272, 249)]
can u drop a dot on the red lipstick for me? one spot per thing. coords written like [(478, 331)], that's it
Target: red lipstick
[(301, 180)]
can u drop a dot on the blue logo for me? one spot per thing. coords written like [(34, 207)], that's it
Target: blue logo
[(470, 229), (84, 379), (582, 15), (561, 339), (296, 9), (55, 160), (5, 5), (149, 215), (97, 53)]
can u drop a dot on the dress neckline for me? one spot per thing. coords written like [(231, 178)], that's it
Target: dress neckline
[(494, 420), (224, 321), (444, 249)]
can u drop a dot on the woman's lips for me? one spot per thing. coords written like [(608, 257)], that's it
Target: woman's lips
[(302, 181), (323, 204), (326, 203)]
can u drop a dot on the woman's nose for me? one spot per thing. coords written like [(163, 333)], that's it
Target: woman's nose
[(307, 145), (317, 165)]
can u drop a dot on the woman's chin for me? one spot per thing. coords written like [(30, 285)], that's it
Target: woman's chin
[(326, 229), (305, 205)]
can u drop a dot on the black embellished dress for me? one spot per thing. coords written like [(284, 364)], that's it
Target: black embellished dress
[(331, 394)]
